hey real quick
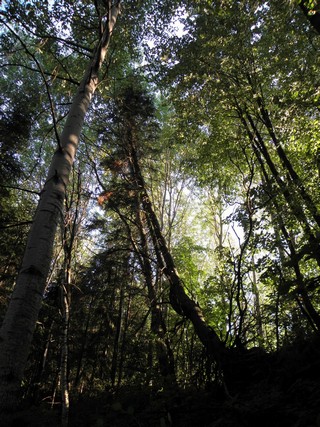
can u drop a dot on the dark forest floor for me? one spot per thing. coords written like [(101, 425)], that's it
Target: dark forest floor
[(279, 390)]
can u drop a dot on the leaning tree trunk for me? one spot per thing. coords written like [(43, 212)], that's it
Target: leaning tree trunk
[(158, 324), (179, 300), (20, 319), (290, 197), (307, 306)]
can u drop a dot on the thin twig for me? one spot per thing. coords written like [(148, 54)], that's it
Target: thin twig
[(56, 76), (13, 187), (44, 79)]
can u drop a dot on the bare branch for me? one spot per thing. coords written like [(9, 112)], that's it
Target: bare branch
[(56, 76), (44, 80), (13, 187)]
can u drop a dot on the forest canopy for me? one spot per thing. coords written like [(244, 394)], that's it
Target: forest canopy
[(160, 212)]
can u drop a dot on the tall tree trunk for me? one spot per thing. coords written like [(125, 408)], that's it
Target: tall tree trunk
[(179, 300), (69, 236), (117, 338), (124, 338), (293, 175), (307, 306), (295, 205), (64, 383), (257, 306), (158, 324), (83, 347), (20, 319)]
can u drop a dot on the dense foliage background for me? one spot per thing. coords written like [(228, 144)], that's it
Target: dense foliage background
[(211, 110)]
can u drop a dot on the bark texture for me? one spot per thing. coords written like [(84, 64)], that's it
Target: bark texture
[(20, 320)]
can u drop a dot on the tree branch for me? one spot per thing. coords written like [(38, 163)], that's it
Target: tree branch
[(13, 187), (56, 76), (44, 80)]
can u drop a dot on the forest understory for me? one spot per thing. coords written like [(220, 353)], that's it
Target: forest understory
[(279, 390)]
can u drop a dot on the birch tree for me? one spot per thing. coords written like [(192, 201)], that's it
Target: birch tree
[(21, 316)]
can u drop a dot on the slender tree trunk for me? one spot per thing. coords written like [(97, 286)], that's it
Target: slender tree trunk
[(158, 325), (117, 338), (308, 308), (65, 308), (124, 339), (294, 177), (83, 348), (20, 320), (257, 306), (240, 296), (295, 205)]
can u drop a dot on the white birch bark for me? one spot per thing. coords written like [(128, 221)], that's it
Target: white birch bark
[(20, 320)]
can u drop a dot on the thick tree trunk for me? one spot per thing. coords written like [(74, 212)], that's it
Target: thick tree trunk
[(20, 320)]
